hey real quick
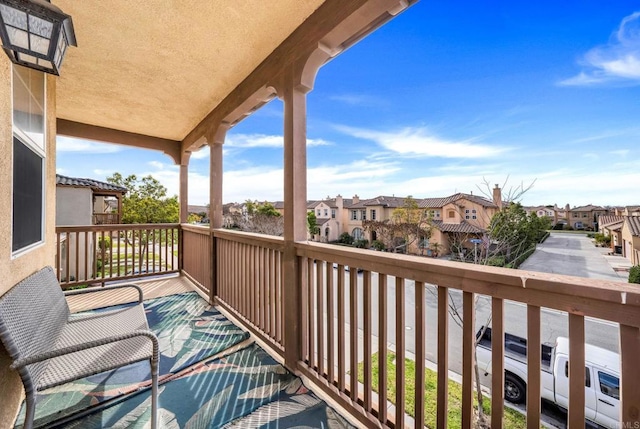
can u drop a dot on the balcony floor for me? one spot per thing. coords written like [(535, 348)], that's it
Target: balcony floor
[(213, 374)]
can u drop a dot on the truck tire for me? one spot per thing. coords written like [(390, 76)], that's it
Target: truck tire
[(514, 389)]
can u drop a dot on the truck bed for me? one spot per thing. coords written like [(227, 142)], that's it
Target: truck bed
[(515, 347)]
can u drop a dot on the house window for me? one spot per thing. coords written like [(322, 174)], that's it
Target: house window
[(373, 215), (451, 214), (318, 212), (434, 214), (466, 211), (473, 211), (363, 214), (357, 234), (28, 158), (326, 212), (354, 215), (333, 213), (585, 215)]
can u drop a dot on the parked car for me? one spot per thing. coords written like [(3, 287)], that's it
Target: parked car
[(602, 375)]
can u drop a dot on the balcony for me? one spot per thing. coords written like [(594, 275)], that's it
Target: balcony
[(329, 324)]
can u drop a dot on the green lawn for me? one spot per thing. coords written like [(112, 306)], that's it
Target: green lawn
[(512, 419)]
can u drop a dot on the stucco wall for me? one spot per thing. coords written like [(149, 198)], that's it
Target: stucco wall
[(14, 270), (73, 206)]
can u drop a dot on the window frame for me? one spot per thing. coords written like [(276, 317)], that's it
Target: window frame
[(40, 151)]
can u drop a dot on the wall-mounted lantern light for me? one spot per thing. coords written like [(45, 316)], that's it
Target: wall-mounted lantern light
[(35, 34)]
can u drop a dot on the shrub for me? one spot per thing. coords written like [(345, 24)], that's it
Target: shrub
[(345, 238), (378, 245), (544, 237), (634, 274), (361, 244), (496, 261), (522, 257)]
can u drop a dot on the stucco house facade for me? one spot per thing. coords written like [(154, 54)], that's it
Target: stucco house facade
[(81, 201), (586, 217), (631, 239)]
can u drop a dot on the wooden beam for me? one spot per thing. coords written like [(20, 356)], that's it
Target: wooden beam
[(109, 135)]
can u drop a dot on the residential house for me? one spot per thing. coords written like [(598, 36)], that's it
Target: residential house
[(631, 239), (134, 81), (84, 202), (330, 217), (379, 208), (611, 225), (87, 201), (586, 217), (553, 213), (459, 218)]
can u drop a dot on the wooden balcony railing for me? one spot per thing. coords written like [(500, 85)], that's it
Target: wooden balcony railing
[(106, 218), (357, 303), (196, 256), (100, 253), (354, 302)]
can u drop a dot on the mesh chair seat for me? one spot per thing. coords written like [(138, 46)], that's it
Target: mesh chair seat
[(92, 361)]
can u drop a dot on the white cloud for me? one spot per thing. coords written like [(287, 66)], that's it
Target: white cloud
[(60, 170), (66, 144), (202, 153), (264, 140), (156, 164), (362, 100), (419, 141), (616, 61), (620, 152)]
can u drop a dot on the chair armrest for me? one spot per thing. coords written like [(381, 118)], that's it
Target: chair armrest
[(28, 360), (102, 289)]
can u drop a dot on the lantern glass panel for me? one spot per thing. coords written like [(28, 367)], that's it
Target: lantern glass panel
[(13, 17), (40, 27), (18, 37)]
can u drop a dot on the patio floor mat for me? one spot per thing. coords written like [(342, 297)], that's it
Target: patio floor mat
[(247, 389), (188, 329)]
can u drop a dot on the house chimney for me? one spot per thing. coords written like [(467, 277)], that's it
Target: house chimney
[(356, 199), (497, 197), (339, 202)]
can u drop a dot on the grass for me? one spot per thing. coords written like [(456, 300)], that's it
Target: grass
[(512, 419)]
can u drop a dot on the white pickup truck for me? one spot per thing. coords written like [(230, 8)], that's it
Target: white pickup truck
[(602, 375)]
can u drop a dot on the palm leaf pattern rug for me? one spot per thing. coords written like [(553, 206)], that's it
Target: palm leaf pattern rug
[(247, 389), (188, 329)]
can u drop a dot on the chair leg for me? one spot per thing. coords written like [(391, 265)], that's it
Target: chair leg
[(30, 411), (154, 394)]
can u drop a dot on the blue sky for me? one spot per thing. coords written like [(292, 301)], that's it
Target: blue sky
[(441, 99)]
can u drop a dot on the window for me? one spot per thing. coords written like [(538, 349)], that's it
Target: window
[(357, 234), (373, 215), (587, 374), (434, 214), (28, 158), (609, 385), (466, 211), (318, 213), (585, 215), (326, 212), (473, 211), (363, 214), (333, 213), (451, 214), (354, 215)]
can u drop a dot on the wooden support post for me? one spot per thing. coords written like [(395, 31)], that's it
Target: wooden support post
[(184, 191), (295, 209)]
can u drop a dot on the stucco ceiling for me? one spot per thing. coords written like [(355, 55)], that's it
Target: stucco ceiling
[(157, 67)]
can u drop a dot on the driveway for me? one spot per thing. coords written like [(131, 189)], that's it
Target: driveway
[(575, 255)]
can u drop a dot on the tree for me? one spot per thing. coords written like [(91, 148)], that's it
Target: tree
[(146, 200), (312, 223), (194, 218), (261, 218)]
